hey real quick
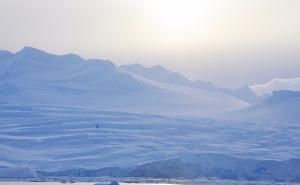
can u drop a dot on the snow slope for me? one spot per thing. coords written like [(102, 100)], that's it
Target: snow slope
[(17, 173), (35, 77), (161, 74), (292, 84), (282, 106), (60, 138)]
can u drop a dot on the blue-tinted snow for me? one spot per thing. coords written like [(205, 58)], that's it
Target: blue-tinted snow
[(57, 137)]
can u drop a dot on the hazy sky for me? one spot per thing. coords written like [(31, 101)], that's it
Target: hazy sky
[(229, 42)]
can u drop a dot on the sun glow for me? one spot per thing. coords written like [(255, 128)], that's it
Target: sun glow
[(179, 20)]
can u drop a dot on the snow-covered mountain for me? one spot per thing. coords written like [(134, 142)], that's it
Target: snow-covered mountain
[(292, 84), (282, 106), (161, 74), (70, 116), (33, 76)]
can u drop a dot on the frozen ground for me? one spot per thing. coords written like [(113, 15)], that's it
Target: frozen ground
[(56, 138)]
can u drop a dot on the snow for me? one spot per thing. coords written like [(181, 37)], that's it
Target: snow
[(198, 166), (60, 137), (17, 172), (281, 107), (32, 76), (65, 114), (160, 74), (292, 84)]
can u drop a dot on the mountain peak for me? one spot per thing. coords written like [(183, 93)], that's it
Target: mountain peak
[(28, 49), (104, 63), (135, 67), (33, 52), (37, 53), (158, 68)]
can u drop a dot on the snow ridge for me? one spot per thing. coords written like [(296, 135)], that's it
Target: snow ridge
[(276, 84)]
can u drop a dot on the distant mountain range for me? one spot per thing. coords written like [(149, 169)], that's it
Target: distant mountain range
[(33, 76), (160, 74)]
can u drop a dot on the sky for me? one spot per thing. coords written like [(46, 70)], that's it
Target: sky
[(229, 42)]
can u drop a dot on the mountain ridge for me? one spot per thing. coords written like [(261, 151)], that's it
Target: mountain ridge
[(292, 84), (161, 74), (71, 80)]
